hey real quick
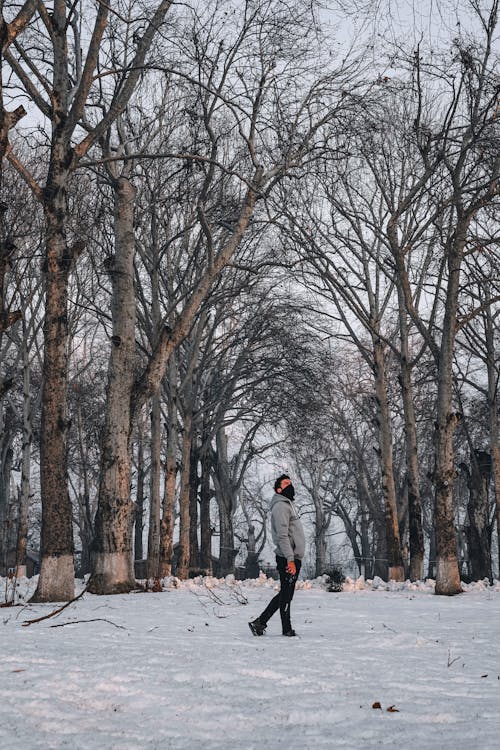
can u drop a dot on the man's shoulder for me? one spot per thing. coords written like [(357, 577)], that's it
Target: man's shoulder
[(279, 502)]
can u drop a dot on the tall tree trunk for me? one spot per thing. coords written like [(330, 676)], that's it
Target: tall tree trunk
[(447, 571), (57, 571), (139, 498), (416, 533), (252, 561), (25, 493), (154, 500), (227, 552), (194, 480), (169, 495), (493, 407), (319, 539), (205, 526), (85, 514), (478, 528), (226, 503), (395, 560), (182, 569), (368, 513), (366, 562), (7, 538), (156, 431), (431, 567), (379, 549), (112, 569)]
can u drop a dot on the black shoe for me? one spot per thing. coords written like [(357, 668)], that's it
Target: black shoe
[(257, 627), (290, 633)]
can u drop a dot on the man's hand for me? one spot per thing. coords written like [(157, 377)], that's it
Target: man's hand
[(291, 569)]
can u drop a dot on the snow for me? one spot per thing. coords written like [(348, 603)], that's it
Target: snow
[(180, 669)]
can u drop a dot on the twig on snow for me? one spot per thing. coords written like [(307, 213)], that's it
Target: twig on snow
[(95, 619), (55, 611)]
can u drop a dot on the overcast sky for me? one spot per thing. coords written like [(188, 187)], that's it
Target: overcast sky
[(431, 23)]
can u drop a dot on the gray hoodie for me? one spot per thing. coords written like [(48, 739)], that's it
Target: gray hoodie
[(286, 528)]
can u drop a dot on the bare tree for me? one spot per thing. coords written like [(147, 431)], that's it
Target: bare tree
[(459, 165), (61, 86)]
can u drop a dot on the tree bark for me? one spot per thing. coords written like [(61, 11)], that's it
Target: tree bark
[(182, 568), (394, 557), (493, 407), (169, 497), (57, 572), (447, 570), (416, 533), (25, 493), (194, 480), (139, 498), (319, 533), (6, 455), (112, 569), (154, 500), (226, 503), (478, 527), (205, 526)]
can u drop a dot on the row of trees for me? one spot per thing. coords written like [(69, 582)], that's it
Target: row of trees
[(223, 218)]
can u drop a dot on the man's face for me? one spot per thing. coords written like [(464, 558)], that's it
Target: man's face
[(284, 483)]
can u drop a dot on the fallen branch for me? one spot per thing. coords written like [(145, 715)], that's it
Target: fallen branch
[(55, 611), (95, 619)]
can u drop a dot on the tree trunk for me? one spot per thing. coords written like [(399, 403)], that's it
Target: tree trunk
[(478, 528), (113, 570), (495, 459), (447, 571), (252, 561), (25, 493), (379, 550), (416, 533), (168, 515), (320, 541), (85, 514), (57, 572), (227, 552), (431, 566), (493, 407), (182, 569), (366, 568), (7, 536), (395, 561), (227, 506), (194, 552), (154, 504), (139, 498), (205, 527)]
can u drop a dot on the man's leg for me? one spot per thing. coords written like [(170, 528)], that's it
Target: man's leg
[(275, 602), (286, 595), (259, 625)]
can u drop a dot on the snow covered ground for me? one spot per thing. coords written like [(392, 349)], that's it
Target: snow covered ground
[(180, 669)]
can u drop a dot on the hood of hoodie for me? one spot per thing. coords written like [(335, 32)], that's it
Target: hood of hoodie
[(277, 498)]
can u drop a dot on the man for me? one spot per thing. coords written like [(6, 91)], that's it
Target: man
[(288, 536)]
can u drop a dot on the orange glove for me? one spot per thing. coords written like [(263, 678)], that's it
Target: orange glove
[(291, 569)]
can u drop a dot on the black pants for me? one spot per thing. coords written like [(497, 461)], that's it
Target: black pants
[(282, 600)]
